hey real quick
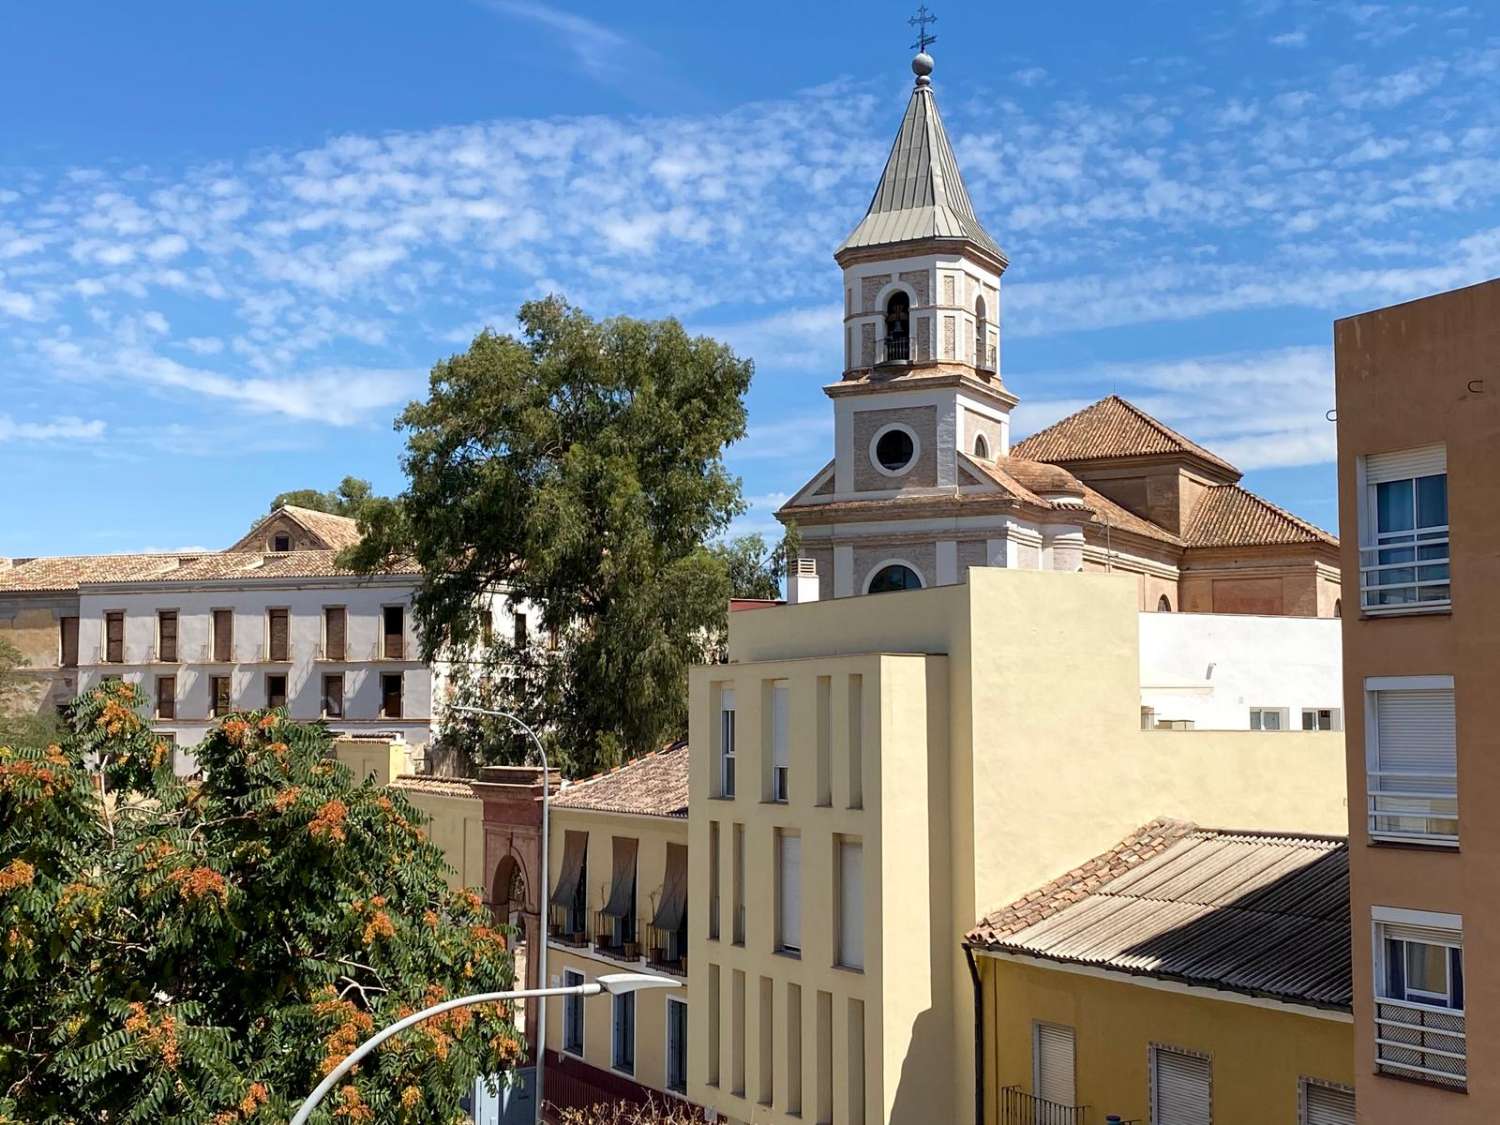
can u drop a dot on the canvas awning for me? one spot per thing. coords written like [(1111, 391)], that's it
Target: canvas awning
[(622, 883), (575, 848), (673, 905)]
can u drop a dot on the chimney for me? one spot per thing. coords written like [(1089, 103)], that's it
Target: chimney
[(802, 582)]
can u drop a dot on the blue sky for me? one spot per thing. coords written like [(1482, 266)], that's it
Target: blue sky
[(234, 237)]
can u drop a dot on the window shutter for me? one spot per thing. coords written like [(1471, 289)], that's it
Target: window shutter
[(1405, 464), (70, 642), (1415, 731), (1181, 1089), (280, 642), (1328, 1105), (791, 892), (334, 628), (1054, 1064), (223, 636), (780, 719), (851, 904), (114, 637)]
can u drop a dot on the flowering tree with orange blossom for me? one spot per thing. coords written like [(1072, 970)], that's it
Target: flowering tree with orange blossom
[(205, 951)]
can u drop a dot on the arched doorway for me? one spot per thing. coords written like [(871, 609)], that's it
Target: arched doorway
[(508, 896)]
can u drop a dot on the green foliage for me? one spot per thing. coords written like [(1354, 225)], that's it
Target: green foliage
[(206, 951), (18, 723), (580, 465), (345, 500)]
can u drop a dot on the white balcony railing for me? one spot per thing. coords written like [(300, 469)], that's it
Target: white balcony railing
[(1405, 570), (1415, 807), (1418, 1041)]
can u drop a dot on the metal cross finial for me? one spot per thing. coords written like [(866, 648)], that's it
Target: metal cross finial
[(920, 22)]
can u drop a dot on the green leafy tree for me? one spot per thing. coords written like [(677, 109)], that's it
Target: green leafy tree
[(19, 721), (580, 465), (345, 500), (204, 952)]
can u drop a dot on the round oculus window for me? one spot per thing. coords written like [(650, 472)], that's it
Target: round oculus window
[(894, 577), (894, 450)]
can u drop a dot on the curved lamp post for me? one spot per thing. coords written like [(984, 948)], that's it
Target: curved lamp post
[(613, 983), (546, 878)]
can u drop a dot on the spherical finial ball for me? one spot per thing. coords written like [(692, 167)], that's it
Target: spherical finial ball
[(921, 66)]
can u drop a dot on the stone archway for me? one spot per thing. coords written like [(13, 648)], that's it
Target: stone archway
[(509, 898)]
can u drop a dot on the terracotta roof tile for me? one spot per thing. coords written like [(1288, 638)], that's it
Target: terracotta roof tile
[(228, 565), (1231, 516), (65, 572), (1112, 428), (1260, 913), (654, 784), (336, 531)]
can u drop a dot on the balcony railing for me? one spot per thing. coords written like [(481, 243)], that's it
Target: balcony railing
[(568, 926), (892, 349), (984, 356), (666, 949), (1419, 807), (1416, 1041), (1020, 1108), (616, 936), (1405, 570)]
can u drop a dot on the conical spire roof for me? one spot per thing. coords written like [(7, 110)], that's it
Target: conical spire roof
[(921, 194)]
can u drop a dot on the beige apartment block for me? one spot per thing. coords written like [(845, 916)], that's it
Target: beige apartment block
[(900, 766), (1419, 488)]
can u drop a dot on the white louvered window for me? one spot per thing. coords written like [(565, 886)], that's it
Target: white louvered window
[(1411, 756), (726, 742), (1181, 1088), (781, 752), (1052, 1063), (788, 892), (1324, 1103), (1420, 1026), (1403, 531)]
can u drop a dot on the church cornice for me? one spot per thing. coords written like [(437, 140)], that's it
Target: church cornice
[(921, 377)]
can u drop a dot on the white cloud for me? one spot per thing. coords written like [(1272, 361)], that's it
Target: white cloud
[(1029, 76), (1296, 38), (64, 429)]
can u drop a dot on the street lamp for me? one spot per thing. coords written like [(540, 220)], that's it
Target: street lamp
[(613, 983), (546, 876)]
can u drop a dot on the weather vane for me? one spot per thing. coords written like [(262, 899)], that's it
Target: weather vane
[(920, 21)]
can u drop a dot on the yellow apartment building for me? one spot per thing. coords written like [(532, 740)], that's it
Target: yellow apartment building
[(870, 777), (1186, 975)]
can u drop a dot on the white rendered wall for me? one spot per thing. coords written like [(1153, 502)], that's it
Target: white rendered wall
[(1212, 668)]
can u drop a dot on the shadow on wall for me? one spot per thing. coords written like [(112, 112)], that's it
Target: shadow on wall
[(922, 1096)]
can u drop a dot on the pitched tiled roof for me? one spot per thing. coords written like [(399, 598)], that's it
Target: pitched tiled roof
[(1112, 428), (1251, 912), (65, 572), (337, 532), (227, 565), (654, 784), (1231, 516)]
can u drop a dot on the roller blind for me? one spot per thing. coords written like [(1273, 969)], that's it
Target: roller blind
[(1415, 731), (1328, 1105), (1181, 1089), (789, 882), (780, 720), (1405, 464), (334, 632), (851, 904), (1054, 1063)]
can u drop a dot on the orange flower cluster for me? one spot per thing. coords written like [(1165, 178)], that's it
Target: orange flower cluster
[(235, 730), (160, 1035), (286, 798), (411, 1097), (330, 821), (387, 806), (197, 883), (12, 774), (160, 753), (159, 852), (254, 1098), (16, 873), (117, 719), (353, 1028), (431, 918), (352, 1106), (269, 721), (278, 749), (55, 756), (378, 924)]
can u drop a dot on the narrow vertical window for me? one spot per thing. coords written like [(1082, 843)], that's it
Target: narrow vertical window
[(737, 1034), (275, 691), (334, 632), (278, 635), (623, 1052), (781, 752), (824, 1065), (677, 1026), (851, 903), (223, 628), (856, 1060), (521, 626), (114, 638), (856, 742), (794, 1049), (394, 632), (166, 697), (715, 1015), (737, 880), (713, 880), (390, 695), (726, 742), (825, 740), (166, 636), (573, 1015), (765, 1019), (67, 628), (333, 696), (221, 700), (788, 892)]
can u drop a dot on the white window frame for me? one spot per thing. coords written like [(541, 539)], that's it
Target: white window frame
[(571, 979), (666, 1077), (1373, 686), (623, 1000), (728, 738), (1036, 1060), (1306, 1083), (883, 563), (1450, 1026), (916, 448), (1335, 718), (1371, 541), (1257, 716), (1156, 1049)]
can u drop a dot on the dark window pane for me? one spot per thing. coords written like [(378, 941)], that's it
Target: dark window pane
[(1393, 506), (1432, 501)]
